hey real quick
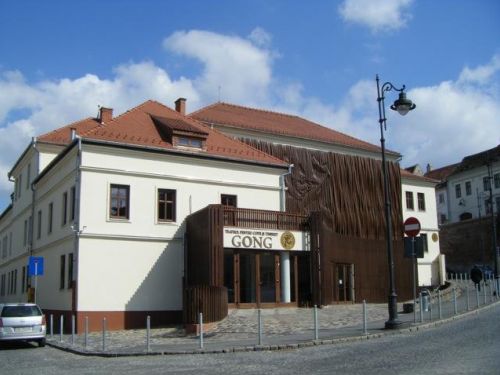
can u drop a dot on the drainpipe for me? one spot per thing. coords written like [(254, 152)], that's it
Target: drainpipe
[(283, 188), (76, 226), (33, 197)]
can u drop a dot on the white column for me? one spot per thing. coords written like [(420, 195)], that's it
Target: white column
[(285, 276)]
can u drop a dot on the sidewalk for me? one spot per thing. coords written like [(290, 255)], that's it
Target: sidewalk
[(283, 328)]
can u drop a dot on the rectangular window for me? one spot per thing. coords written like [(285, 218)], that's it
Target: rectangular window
[(39, 225), (25, 233), (486, 183), (421, 201), (442, 218), (2, 286), (19, 187), (64, 208), (119, 202), (72, 198), (441, 198), (10, 243), (23, 281), (409, 200), (468, 188), (62, 271), (51, 216), (28, 177), (4, 247), (496, 180), (70, 270), (189, 142), (166, 205), (458, 191), (229, 200), (14, 283)]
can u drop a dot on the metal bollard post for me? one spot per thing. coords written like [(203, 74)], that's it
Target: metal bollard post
[(365, 320), (491, 292), (61, 329), (477, 296), (455, 301), (51, 325), (104, 334), (467, 292), (148, 333), (421, 307), (72, 330), (316, 335), (259, 318), (439, 305), (201, 330), (484, 291), (86, 331)]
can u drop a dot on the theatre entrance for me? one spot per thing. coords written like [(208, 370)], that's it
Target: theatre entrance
[(260, 278)]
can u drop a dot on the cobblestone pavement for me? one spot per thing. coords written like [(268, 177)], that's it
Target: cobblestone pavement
[(280, 326)]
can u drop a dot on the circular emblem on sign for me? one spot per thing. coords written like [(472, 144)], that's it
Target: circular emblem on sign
[(287, 240), (435, 237)]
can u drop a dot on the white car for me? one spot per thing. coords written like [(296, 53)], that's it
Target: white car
[(22, 322)]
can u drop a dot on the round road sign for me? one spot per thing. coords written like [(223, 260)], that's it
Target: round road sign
[(412, 227)]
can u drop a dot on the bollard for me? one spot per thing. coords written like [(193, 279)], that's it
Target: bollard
[(86, 331), (439, 305), (259, 318), (104, 334), (430, 309), (455, 301), (365, 320), (51, 325), (316, 335), (148, 333), (61, 325), (201, 330), (484, 291), (477, 296), (491, 292), (72, 330), (421, 307), (467, 292)]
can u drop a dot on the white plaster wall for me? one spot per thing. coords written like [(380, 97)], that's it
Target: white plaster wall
[(119, 275)]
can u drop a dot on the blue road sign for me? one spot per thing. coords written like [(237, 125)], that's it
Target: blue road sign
[(35, 266)]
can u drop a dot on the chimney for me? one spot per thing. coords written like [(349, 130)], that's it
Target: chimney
[(73, 134), (180, 106), (429, 168), (105, 115)]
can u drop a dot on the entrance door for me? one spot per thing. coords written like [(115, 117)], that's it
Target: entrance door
[(344, 282), (268, 277)]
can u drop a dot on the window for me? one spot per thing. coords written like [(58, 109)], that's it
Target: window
[(458, 191), (4, 247), (229, 200), (65, 208), (2, 286), (25, 233), (487, 206), (409, 200), (62, 270), (23, 281), (486, 183), (441, 198), (39, 225), (421, 201), (10, 243), (442, 218), (72, 198), (496, 180), (19, 186), (70, 270), (28, 177), (189, 142), (119, 202), (166, 205), (51, 215), (14, 282), (468, 188)]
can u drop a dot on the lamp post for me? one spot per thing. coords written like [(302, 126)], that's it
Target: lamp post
[(402, 105)]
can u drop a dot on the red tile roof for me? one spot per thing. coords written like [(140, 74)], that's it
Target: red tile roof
[(407, 174), (441, 174), (235, 116), (136, 127)]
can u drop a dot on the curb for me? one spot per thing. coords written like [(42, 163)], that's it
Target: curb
[(260, 348)]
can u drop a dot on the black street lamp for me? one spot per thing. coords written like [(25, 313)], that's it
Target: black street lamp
[(402, 106)]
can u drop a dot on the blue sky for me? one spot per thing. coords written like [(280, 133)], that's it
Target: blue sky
[(59, 60)]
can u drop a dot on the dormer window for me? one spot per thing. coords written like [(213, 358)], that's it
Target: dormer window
[(189, 142)]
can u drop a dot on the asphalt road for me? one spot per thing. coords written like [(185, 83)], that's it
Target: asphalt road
[(466, 346)]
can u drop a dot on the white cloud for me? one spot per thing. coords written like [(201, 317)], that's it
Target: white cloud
[(241, 69), (480, 74), (378, 15)]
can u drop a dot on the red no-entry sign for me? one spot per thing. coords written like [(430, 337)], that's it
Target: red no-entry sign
[(412, 227)]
